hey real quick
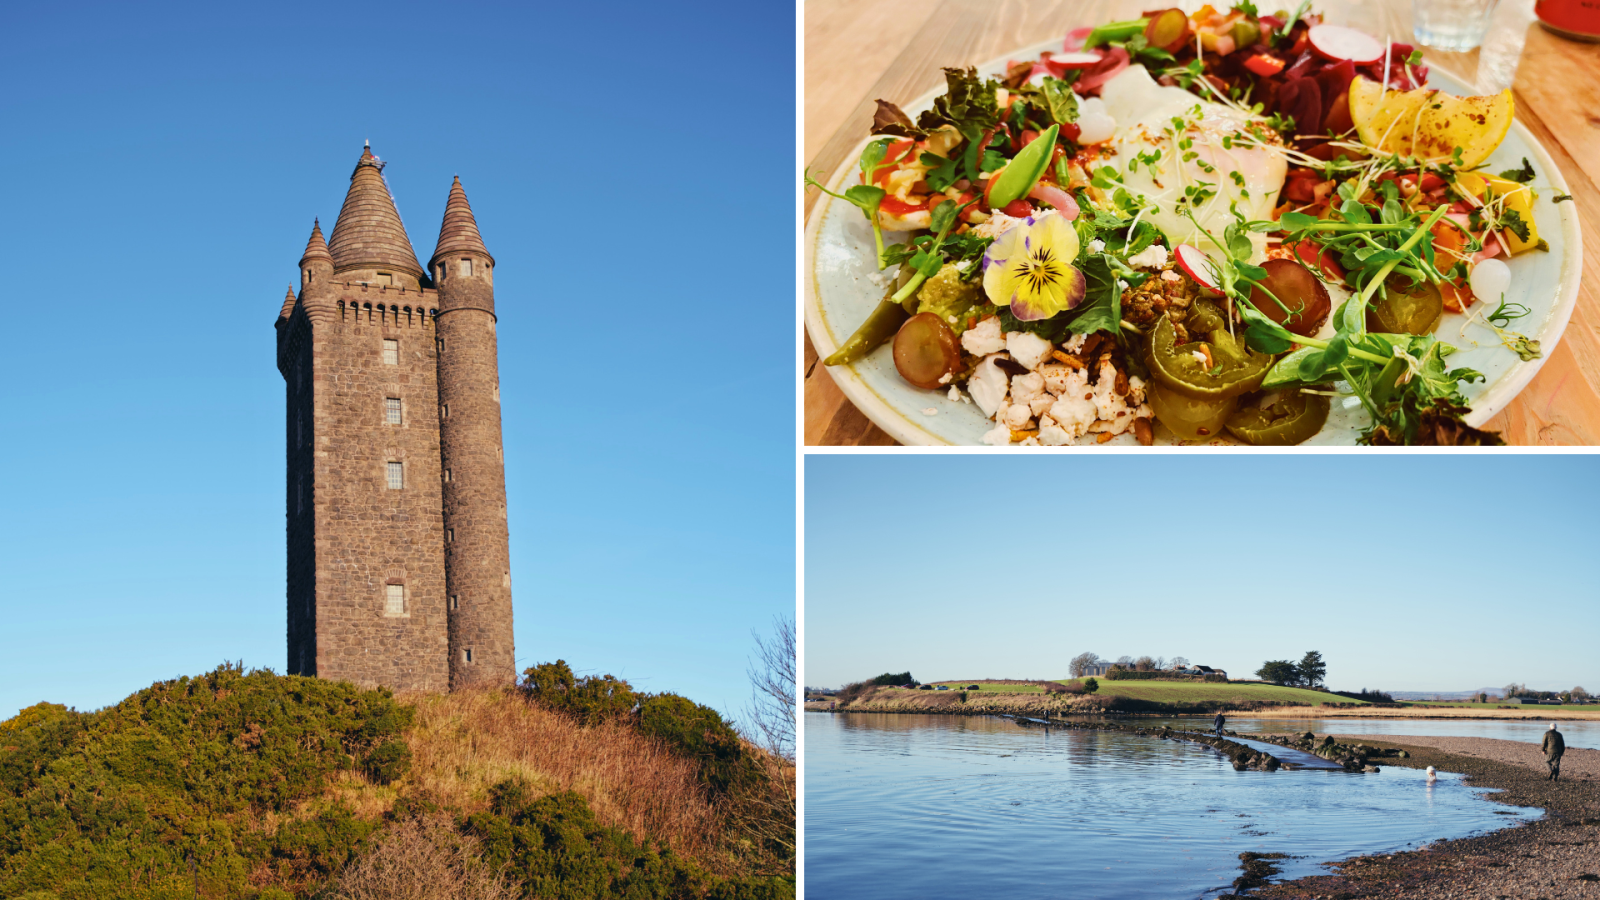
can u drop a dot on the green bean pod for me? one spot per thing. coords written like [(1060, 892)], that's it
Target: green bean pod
[(877, 330)]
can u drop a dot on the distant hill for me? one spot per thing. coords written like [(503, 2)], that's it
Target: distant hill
[(1445, 695)]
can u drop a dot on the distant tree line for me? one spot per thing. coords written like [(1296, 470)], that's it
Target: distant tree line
[(1308, 672), (1576, 695), (1080, 664)]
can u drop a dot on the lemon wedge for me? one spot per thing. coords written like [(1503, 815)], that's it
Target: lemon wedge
[(1428, 123)]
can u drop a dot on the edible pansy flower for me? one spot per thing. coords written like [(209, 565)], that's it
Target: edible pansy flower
[(1029, 268)]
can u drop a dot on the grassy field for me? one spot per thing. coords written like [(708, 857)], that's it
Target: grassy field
[(998, 687), (1178, 691)]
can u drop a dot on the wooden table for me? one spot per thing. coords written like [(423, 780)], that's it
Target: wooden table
[(858, 50)]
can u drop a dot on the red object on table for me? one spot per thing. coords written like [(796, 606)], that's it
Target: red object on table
[(1576, 19)]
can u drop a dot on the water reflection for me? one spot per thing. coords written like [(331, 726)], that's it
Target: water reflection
[(936, 806)]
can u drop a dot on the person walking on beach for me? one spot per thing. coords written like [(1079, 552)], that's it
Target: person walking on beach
[(1219, 723), (1553, 747)]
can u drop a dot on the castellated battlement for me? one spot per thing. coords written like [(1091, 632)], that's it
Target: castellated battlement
[(398, 544)]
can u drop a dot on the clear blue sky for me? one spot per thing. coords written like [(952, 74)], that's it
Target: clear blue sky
[(1407, 572), (160, 167)]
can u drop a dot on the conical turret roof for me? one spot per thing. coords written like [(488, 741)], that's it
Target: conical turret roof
[(316, 247), (288, 304), (369, 233), (460, 230)]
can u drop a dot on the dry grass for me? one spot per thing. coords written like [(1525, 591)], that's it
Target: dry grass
[(423, 860), (462, 743)]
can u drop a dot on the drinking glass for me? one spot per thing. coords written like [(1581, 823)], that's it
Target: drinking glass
[(1451, 24)]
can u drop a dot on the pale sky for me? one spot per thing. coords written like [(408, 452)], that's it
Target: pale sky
[(1407, 572)]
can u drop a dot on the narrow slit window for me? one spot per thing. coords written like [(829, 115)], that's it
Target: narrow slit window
[(455, 602), (391, 410), (446, 474), (391, 352), (445, 414), (469, 654), (394, 600), (397, 476), (450, 534), (466, 267)]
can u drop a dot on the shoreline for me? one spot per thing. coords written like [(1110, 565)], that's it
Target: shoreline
[(1555, 857)]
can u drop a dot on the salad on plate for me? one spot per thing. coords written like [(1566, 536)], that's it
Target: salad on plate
[(1213, 227)]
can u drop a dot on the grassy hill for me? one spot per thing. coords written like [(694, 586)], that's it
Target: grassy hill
[(1192, 691), (264, 787)]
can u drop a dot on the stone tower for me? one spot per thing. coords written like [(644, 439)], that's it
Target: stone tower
[(398, 560)]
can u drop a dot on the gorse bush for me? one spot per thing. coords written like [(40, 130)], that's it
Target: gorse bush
[(556, 848), (591, 700), (121, 797), (891, 679), (690, 729)]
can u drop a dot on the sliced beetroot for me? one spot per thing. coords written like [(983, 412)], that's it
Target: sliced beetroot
[(1335, 80), (1301, 99), (1336, 42), (1338, 120), (1301, 67), (1304, 295), (926, 350)]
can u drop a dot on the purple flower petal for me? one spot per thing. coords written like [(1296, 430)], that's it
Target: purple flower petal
[(1076, 285), (1026, 313)]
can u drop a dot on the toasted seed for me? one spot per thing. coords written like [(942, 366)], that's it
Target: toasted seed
[(1104, 436), (1069, 359), (1142, 431)]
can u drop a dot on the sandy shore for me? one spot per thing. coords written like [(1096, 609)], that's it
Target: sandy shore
[(1557, 857)]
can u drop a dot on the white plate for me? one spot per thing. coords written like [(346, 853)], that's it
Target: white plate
[(840, 293)]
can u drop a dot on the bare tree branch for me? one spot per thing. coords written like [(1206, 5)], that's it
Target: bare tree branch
[(774, 688)]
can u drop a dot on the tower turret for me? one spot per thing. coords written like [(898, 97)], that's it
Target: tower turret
[(316, 274), (477, 553), (369, 243)]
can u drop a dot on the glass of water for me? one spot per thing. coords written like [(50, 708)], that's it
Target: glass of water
[(1451, 24)]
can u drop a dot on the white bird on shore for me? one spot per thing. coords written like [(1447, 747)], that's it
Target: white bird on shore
[(1432, 775)]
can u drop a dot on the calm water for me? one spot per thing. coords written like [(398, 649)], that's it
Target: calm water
[(907, 806), (1575, 733)]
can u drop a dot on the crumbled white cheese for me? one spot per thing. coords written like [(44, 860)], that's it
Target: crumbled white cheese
[(945, 378), (1040, 403), (1026, 387), (1030, 441), (1065, 380), (1075, 343), (988, 386), (1201, 357), (1171, 275), (1074, 414), (930, 411), (998, 436), (1017, 416), (1053, 436), (1151, 257), (984, 338), (1027, 349), (955, 394), (999, 223), (1097, 246)]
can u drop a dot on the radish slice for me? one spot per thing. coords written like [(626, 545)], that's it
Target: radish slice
[(1075, 38), (1073, 60), (1198, 266), (1336, 42)]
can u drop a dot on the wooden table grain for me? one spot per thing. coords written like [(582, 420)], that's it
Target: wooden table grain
[(858, 50)]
